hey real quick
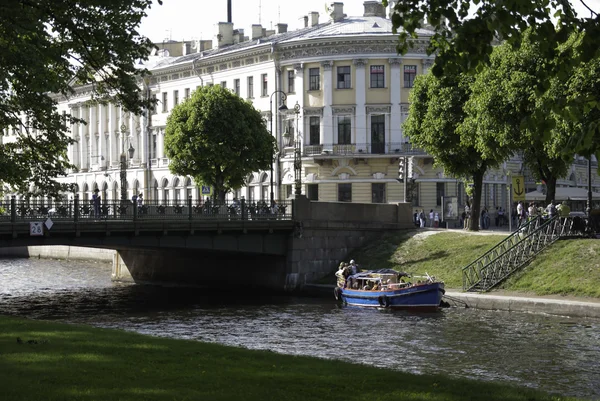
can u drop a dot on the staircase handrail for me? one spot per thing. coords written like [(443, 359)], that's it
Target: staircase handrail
[(533, 233), (518, 231)]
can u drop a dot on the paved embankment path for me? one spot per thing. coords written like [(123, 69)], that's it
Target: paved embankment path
[(517, 302)]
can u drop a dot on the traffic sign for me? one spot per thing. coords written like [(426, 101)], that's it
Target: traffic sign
[(518, 188), (36, 229), (206, 190)]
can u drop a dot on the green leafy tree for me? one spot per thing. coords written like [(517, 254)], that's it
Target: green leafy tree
[(218, 138), (434, 123), (504, 107), (47, 48), (465, 32)]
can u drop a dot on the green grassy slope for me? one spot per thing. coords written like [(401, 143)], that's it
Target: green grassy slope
[(568, 267)]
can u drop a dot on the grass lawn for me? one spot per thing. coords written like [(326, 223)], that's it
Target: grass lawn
[(69, 362), (568, 267)]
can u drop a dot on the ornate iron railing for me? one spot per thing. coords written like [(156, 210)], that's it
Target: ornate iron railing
[(80, 210), (517, 250), (361, 149)]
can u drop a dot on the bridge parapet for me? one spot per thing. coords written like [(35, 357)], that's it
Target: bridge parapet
[(87, 210)]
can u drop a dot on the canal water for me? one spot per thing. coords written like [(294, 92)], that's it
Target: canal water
[(555, 354)]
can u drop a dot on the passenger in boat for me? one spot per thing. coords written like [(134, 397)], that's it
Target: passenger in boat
[(375, 287), (353, 267), (341, 280), (347, 270)]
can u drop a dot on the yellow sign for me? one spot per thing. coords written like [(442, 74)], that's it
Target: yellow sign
[(518, 188)]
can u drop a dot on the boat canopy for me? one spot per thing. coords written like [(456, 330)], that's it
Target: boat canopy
[(374, 274)]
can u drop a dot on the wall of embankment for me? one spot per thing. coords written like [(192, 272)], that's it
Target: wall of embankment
[(59, 252)]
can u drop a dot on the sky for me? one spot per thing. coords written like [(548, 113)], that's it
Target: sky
[(195, 19)]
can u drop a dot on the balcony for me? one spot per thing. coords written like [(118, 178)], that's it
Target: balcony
[(360, 150)]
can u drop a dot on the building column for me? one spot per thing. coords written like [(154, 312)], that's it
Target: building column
[(94, 158), (361, 98), (395, 100), (83, 138), (112, 136), (102, 132), (327, 121), (160, 151)]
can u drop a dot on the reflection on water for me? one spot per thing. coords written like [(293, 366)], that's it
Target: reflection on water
[(555, 354)]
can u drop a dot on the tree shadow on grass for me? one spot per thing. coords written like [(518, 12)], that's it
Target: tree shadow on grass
[(433, 256)]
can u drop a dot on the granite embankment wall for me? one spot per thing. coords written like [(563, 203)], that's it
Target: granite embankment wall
[(59, 252)]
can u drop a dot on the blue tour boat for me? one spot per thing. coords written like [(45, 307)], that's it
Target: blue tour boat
[(385, 288)]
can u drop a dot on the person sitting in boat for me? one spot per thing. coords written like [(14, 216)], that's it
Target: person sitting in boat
[(347, 270), (375, 287), (353, 266), (341, 280)]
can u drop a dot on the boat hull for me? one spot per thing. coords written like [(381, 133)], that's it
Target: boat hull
[(421, 296)]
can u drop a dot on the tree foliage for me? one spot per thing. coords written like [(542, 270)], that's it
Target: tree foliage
[(47, 48), (465, 32), (435, 123), (218, 138), (504, 107)]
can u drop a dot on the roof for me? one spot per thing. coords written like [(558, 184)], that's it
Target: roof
[(347, 27)]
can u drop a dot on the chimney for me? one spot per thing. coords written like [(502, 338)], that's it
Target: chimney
[(257, 31), (281, 28), (224, 35), (229, 11), (238, 35), (313, 18), (186, 48), (305, 21), (337, 11), (374, 9)]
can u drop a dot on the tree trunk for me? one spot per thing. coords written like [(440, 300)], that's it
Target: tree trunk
[(476, 201), (550, 189), (220, 192)]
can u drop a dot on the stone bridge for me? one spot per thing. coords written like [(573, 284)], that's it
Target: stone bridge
[(281, 251)]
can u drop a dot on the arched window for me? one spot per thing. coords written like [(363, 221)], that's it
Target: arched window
[(176, 193)]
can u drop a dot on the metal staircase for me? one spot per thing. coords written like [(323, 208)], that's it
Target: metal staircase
[(514, 252)]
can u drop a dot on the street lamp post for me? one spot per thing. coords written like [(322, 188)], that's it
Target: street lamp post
[(123, 164), (297, 155), (281, 108), (588, 208)]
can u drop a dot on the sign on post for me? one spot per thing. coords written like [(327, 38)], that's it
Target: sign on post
[(206, 190), (518, 188), (36, 229)]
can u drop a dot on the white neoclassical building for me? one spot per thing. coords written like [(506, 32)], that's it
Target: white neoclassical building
[(346, 92)]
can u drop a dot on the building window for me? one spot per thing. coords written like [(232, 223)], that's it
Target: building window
[(343, 77), (344, 192), (224, 84), (236, 86), (165, 102), (175, 98), (153, 150), (186, 93), (410, 72), (314, 79), (154, 104), (344, 130), (315, 130), (312, 192), (288, 191), (250, 87), (377, 76), (265, 85), (440, 191), (460, 190), (378, 193), (291, 78), (378, 134)]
